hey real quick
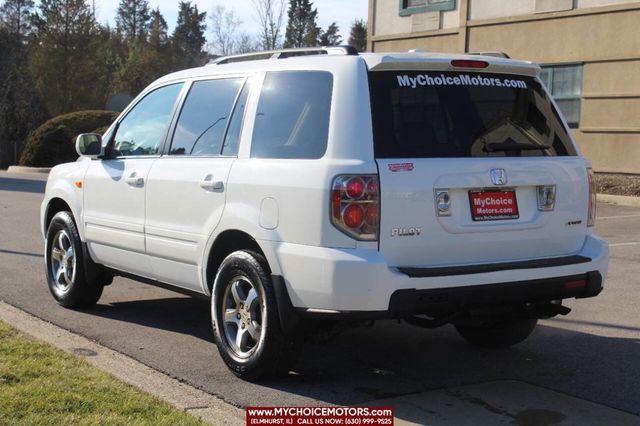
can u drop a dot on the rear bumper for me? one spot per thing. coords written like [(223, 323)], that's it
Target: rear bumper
[(434, 302), (323, 281)]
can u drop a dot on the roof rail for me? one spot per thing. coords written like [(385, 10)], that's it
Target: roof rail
[(286, 53), (495, 54)]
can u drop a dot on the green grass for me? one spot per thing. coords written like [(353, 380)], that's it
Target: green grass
[(41, 385)]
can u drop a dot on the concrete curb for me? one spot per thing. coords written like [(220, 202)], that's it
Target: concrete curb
[(620, 200), (23, 169), (182, 396)]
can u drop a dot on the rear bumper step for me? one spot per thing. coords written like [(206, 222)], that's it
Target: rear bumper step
[(493, 267)]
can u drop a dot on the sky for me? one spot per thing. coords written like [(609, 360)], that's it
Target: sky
[(343, 12)]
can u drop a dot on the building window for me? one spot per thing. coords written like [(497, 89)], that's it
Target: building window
[(409, 7), (564, 82)]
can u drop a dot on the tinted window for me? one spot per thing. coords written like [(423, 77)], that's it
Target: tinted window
[(232, 140), (204, 117), (451, 114), (142, 129), (292, 120)]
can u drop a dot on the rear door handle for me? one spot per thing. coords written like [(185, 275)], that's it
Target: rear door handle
[(210, 184), (135, 180)]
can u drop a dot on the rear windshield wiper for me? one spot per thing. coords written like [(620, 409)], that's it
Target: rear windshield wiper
[(511, 145)]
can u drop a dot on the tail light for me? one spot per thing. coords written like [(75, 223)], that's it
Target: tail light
[(355, 206), (592, 198)]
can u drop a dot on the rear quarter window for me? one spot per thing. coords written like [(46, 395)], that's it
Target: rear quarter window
[(292, 120), (458, 114)]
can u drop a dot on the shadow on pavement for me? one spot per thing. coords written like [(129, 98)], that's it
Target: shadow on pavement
[(180, 315), (392, 359), (22, 185)]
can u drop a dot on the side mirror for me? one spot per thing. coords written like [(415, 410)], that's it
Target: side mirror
[(89, 145)]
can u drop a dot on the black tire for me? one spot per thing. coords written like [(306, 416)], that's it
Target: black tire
[(274, 352), (82, 285), (498, 334)]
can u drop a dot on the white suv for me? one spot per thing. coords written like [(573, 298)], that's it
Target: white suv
[(330, 185)]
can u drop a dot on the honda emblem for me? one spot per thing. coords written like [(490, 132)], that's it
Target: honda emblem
[(498, 176)]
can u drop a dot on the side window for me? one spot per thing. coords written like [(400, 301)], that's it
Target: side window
[(204, 117), (292, 120), (142, 129), (232, 140)]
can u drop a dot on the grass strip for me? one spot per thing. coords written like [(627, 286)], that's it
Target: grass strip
[(42, 385)]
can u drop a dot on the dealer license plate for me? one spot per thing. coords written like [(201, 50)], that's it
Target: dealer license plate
[(493, 205)]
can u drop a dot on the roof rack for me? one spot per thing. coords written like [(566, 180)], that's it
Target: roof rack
[(286, 53), (495, 54)]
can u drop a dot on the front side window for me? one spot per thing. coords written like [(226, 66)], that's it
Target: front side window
[(204, 116), (142, 130), (409, 7), (564, 82), (292, 120)]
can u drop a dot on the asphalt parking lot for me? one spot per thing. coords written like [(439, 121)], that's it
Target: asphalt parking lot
[(591, 355)]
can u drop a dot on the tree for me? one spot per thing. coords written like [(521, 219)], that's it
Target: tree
[(20, 110), (15, 17), (246, 43), (358, 36), (158, 37), (331, 36), (132, 19), (224, 29), (270, 14), (302, 28), (62, 55), (188, 37)]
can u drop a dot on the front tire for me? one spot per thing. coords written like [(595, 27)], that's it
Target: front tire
[(500, 333), (70, 279), (246, 322)]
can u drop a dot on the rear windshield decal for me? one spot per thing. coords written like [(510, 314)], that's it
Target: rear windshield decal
[(458, 80)]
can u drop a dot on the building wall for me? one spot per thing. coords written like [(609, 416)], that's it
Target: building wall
[(603, 35)]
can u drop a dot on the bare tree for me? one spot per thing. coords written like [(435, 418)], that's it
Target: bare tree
[(246, 43), (224, 29), (270, 15)]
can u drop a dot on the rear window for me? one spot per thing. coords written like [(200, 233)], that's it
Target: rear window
[(453, 114)]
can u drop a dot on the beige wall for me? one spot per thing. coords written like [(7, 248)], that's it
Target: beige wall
[(387, 20), (443, 43), (565, 39), (604, 35)]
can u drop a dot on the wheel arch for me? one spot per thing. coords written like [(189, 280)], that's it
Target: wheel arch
[(225, 243)]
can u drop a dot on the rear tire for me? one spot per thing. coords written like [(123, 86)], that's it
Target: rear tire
[(245, 319), (500, 333), (73, 280)]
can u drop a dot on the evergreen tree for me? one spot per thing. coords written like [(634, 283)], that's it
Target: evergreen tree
[(331, 36), (15, 17), (20, 110), (132, 19), (358, 36), (188, 38), (62, 55), (158, 37), (302, 28)]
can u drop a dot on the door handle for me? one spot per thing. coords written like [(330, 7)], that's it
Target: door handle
[(134, 180), (210, 184)]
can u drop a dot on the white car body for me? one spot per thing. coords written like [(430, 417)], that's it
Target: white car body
[(159, 217)]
